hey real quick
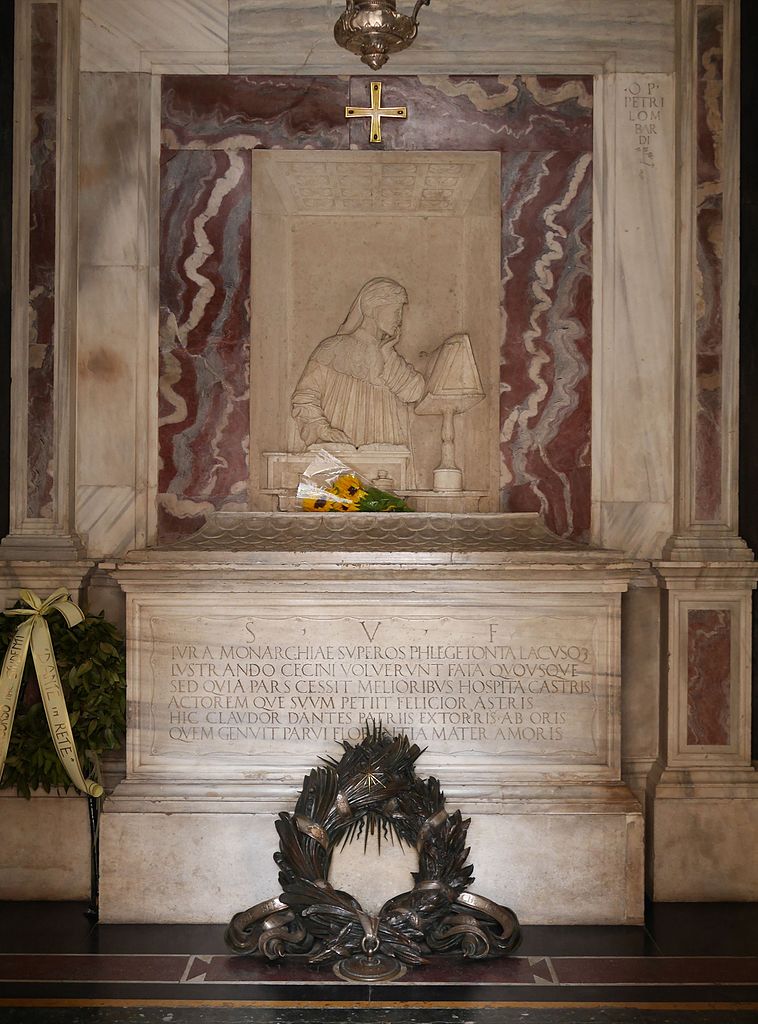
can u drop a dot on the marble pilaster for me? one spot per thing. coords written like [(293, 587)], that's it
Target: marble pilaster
[(43, 342), (704, 784), (707, 335)]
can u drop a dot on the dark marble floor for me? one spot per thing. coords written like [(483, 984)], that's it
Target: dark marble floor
[(690, 962)]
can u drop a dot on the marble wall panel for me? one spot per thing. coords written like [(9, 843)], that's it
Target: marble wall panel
[(109, 173), (545, 378), (542, 126), (106, 435), (254, 112), (46, 847), (472, 112), (708, 294), (703, 850), (203, 418), (709, 658), (118, 35), (42, 198), (165, 867), (519, 857), (638, 34), (209, 125)]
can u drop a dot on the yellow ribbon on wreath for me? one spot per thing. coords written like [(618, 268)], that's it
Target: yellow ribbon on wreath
[(34, 632)]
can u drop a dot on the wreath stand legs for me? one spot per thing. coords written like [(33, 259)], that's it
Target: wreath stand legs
[(370, 966), (94, 808)]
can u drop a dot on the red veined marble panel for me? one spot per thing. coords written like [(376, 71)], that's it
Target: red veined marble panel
[(210, 124), (203, 413), (710, 201), (709, 660), (254, 112), (42, 195), (507, 113)]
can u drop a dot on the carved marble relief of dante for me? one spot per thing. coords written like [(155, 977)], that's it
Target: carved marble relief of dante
[(356, 389)]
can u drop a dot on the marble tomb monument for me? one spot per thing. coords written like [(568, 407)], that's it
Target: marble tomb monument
[(519, 310)]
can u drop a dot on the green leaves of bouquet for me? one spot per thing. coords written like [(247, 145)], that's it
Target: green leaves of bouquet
[(92, 668)]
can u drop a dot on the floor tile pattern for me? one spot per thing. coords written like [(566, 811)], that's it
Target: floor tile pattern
[(688, 963)]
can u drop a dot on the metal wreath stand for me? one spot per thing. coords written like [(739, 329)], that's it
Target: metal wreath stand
[(373, 788)]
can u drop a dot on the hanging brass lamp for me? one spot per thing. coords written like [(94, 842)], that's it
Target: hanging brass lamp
[(373, 29)]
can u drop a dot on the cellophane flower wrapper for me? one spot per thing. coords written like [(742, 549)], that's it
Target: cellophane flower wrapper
[(328, 485)]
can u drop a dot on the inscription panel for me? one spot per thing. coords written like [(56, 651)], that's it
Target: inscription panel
[(518, 687), (644, 105)]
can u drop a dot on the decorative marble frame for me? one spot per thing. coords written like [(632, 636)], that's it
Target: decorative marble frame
[(680, 753), (623, 514), (219, 44), (610, 525), (474, 776)]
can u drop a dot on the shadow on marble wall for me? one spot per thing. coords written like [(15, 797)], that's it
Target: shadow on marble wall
[(6, 206), (748, 463)]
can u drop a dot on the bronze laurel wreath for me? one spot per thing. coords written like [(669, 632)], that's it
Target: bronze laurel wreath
[(373, 787)]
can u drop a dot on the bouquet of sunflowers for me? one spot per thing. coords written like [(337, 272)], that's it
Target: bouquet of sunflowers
[(328, 485)]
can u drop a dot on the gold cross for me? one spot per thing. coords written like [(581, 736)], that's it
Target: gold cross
[(376, 112)]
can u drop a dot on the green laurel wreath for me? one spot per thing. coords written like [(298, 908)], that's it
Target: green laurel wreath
[(92, 668)]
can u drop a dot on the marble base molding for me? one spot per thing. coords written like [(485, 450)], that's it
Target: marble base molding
[(574, 861), (46, 849), (700, 824), (42, 577)]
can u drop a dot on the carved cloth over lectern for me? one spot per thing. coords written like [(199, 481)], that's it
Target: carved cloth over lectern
[(453, 386)]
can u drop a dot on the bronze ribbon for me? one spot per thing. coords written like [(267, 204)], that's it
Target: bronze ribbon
[(431, 883), (431, 823), (343, 805), (312, 829), (34, 632), (504, 917)]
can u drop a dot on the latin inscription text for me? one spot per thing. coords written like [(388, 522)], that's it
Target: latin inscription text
[(533, 698)]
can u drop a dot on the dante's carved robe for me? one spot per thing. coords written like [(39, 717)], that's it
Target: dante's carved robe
[(351, 385)]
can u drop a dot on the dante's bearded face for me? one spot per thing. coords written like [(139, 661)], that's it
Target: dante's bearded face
[(389, 317)]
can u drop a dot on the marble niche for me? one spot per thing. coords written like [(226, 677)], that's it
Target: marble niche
[(325, 225)]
